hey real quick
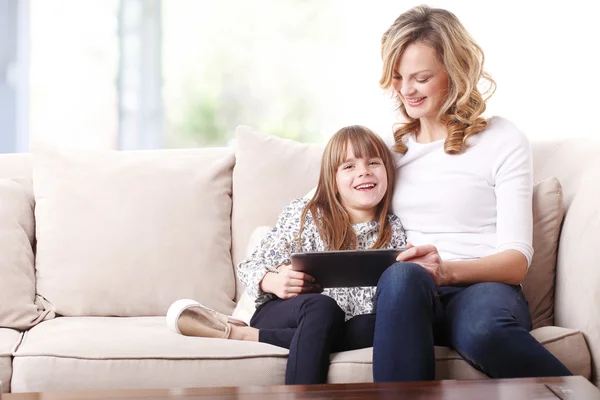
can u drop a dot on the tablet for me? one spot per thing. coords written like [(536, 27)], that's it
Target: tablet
[(345, 268)]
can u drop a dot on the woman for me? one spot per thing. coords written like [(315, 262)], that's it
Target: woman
[(464, 196)]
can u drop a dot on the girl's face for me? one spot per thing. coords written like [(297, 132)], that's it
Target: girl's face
[(361, 184), (421, 81)]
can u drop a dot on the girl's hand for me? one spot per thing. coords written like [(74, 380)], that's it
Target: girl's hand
[(288, 283), (427, 256)]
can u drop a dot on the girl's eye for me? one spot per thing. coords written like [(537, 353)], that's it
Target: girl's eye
[(374, 163), (347, 166), (396, 77)]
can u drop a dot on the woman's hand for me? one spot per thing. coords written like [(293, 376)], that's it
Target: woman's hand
[(288, 283), (427, 256)]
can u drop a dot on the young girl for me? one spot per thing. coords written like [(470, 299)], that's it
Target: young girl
[(348, 211)]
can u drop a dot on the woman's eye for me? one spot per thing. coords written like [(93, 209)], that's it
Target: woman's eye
[(396, 77), (422, 80)]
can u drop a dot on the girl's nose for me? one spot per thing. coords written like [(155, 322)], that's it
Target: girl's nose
[(362, 171)]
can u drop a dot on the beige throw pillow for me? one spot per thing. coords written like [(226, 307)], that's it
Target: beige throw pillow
[(244, 310), (270, 172), (538, 286), (128, 233), (19, 308)]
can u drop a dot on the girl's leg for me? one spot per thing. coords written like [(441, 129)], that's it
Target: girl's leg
[(306, 324), (246, 333), (357, 334), (488, 324), (406, 305)]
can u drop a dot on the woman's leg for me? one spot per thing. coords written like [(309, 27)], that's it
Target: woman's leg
[(306, 324), (406, 305), (488, 324)]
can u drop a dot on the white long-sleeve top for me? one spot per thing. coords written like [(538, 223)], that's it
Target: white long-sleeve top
[(469, 205)]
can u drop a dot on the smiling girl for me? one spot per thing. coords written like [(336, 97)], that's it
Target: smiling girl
[(348, 211)]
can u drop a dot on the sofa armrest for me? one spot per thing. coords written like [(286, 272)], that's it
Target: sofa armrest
[(577, 296)]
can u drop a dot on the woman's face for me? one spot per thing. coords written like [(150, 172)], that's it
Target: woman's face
[(421, 81)]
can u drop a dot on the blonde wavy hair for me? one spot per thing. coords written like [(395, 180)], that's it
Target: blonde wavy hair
[(463, 61), (331, 218)]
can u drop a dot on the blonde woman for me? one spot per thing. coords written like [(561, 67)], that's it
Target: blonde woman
[(464, 196)]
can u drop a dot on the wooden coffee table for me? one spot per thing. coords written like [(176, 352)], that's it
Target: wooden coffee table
[(575, 387)]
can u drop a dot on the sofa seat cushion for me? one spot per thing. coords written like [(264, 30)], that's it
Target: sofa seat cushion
[(567, 345), (9, 340), (102, 353)]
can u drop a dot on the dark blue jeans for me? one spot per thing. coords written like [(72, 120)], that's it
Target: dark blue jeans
[(488, 324)]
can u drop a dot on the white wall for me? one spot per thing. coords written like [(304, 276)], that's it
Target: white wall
[(543, 55)]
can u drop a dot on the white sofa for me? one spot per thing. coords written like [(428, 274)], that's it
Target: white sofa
[(97, 245)]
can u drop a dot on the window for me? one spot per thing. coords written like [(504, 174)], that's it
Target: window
[(73, 72), (184, 73)]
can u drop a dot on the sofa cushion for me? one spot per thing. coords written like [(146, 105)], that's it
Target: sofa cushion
[(538, 286), (567, 345), (578, 274), (269, 173), (264, 181), (9, 340), (18, 306), (94, 353), (128, 233), (246, 305)]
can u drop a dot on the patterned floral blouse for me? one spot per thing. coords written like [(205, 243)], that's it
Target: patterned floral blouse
[(278, 245)]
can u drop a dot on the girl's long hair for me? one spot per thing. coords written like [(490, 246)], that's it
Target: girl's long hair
[(331, 218), (461, 57)]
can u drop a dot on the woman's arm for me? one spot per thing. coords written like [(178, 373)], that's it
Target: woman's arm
[(508, 266), (512, 171)]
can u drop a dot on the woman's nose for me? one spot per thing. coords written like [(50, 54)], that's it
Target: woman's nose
[(406, 89)]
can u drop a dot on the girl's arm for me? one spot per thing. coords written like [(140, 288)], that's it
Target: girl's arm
[(273, 251)]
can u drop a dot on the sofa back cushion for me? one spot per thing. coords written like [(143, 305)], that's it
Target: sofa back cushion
[(19, 307), (271, 171), (16, 165), (128, 233)]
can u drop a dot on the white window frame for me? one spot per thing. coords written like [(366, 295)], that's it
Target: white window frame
[(141, 111), (14, 76)]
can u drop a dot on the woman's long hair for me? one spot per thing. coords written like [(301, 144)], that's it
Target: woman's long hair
[(461, 57), (332, 220)]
